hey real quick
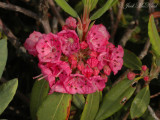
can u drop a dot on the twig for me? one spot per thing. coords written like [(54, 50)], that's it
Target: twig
[(127, 35), (56, 12), (145, 50), (43, 8), (18, 93), (155, 95), (115, 27), (12, 38), (112, 18), (152, 113), (126, 115), (54, 25), (9, 6), (131, 27)]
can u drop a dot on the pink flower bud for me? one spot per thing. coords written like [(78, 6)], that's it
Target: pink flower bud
[(84, 45), (92, 62), (80, 65), (107, 70), (93, 54), (144, 67), (73, 61), (96, 71), (87, 71), (131, 75), (71, 23), (146, 78)]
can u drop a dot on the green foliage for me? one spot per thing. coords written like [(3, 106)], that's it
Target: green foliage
[(79, 100), (154, 36), (55, 107), (91, 106), (3, 55), (67, 8), (102, 10), (140, 103), (39, 93), (7, 91), (115, 99), (131, 60)]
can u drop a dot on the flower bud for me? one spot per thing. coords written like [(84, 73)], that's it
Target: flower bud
[(146, 78), (93, 54), (144, 67), (96, 71), (92, 62), (80, 65), (131, 75), (107, 70), (84, 45)]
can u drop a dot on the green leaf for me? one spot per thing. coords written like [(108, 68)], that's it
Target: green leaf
[(79, 100), (94, 3), (3, 55), (55, 107), (39, 93), (91, 106), (102, 10), (7, 91), (115, 99), (140, 103), (154, 36), (131, 60), (67, 8)]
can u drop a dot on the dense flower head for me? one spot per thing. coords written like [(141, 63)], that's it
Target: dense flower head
[(73, 64)]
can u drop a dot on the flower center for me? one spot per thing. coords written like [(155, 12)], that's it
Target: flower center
[(71, 40)]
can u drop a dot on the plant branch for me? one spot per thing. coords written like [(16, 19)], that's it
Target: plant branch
[(115, 27), (56, 12), (26, 12), (131, 27), (155, 95), (152, 113), (43, 8)]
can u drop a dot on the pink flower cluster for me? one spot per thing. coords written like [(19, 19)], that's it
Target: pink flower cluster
[(71, 65)]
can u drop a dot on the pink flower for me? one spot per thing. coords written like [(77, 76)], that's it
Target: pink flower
[(92, 62), (98, 82), (30, 43), (49, 48), (131, 75), (78, 84), (87, 71), (84, 45), (70, 42), (97, 38), (51, 71), (71, 23), (58, 87), (116, 57), (107, 70), (113, 57)]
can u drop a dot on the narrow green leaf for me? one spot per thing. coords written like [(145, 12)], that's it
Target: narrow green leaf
[(154, 36), (93, 4), (55, 107), (91, 106), (67, 8), (3, 55), (131, 60), (115, 99), (39, 93), (102, 10), (140, 103), (79, 100), (7, 91)]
